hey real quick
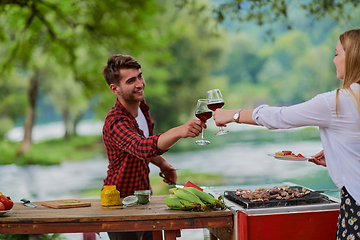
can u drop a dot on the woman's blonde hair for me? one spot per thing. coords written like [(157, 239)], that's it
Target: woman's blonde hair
[(350, 40)]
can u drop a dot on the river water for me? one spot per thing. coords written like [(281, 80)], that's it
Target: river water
[(242, 163)]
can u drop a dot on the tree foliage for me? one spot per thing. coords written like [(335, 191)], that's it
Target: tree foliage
[(42, 36), (59, 48), (296, 64), (264, 12), (289, 70), (175, 82)]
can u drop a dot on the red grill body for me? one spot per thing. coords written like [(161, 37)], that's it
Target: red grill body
[(311, 221), (320, 224)]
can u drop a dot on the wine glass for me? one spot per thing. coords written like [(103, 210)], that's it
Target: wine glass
[(215, 100), (203, 113)]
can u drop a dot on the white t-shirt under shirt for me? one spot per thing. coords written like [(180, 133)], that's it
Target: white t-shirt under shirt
[(340, 134), (141, 120)]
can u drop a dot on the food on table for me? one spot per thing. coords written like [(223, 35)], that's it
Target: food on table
[(143, 196), (191, 184), (185, 194), (109, 196), (193, 199), (265, 194), (205, 197), (180, 204), (288, 154), (6, 201)]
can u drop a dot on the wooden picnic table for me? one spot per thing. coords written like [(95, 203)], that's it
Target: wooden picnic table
[(156, 217)]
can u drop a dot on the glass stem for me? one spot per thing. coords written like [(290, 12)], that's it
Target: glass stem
[(202, 134)]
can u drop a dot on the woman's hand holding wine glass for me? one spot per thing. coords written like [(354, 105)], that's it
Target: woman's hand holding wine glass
[(215, 101)]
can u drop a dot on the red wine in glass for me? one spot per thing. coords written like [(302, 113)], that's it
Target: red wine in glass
[(215, 101), (216, 105), (204, 116), (203, 113)]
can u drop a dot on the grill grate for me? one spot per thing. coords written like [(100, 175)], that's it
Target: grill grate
[(312, 198)]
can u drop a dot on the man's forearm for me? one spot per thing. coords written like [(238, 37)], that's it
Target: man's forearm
[(190, 129), (161, 162), (168, 139)]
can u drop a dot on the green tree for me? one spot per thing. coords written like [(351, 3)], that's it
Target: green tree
[(290, 69), (296, 70), (12, 99), (242, 48), (178, 68), (266, 13), (68, 97), (177, 80), (35, 30)]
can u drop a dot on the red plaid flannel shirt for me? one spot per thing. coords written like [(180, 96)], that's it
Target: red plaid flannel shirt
[(129, 152)]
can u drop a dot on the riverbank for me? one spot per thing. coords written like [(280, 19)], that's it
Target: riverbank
[(234, 164), (49, 146), (53, 151), (185, 154)]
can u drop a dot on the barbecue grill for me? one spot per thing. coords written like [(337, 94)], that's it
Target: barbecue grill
[(313, 216), (311, 198)]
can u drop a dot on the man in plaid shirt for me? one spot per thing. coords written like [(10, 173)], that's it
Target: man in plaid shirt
[(128, 135)]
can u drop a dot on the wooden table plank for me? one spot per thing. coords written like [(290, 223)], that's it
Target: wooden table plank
[(155, 216), (171, 234), (157, 235), (123, 226)]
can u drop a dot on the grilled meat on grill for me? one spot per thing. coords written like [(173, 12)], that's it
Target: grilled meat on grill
[(265, 194)]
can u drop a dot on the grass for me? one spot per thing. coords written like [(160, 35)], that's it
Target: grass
[(258, 136), (161, 188), (81, 148), (53, 151)]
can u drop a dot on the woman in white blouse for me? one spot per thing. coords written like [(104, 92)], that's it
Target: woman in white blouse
[(337, 114)]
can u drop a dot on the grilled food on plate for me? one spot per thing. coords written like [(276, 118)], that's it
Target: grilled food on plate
[(288, 154)]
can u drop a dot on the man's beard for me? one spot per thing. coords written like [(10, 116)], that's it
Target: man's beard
[(132, 98)]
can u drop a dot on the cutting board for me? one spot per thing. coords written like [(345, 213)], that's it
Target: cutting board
[(67, 203)]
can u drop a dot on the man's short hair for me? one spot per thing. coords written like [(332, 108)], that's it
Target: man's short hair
[(111, 71)]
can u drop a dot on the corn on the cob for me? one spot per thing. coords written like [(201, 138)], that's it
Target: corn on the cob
[(208, 198), (205, 197), (181, 204), (186, 195)]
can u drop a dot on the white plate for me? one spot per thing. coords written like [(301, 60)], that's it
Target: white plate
[(3, 212), (288, 158)]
